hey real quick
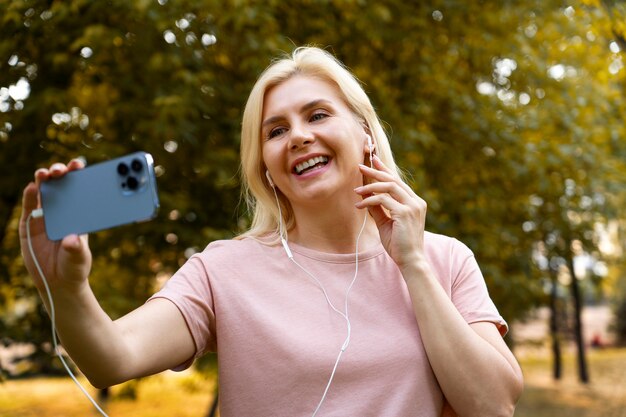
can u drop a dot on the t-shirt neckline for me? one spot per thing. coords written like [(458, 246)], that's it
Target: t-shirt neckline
[(340, 258)]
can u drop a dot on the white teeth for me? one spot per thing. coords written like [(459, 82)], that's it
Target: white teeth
[(309, 163)]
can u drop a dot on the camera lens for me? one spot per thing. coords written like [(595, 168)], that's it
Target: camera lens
[(122, 169), (136, 165), (132, 183)]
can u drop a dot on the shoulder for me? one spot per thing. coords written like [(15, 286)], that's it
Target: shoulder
[(448, 256), (233, 251), (230, 245), (438, 245)]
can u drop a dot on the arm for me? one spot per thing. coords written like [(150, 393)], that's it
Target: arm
[(476, 371), (107, 351), (148, 340)]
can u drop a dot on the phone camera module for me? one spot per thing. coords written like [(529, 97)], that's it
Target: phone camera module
[(132, 183), (132, 176), (122, 168), (136, 165)]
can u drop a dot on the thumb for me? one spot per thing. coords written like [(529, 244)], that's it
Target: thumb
[(75, 258), (76, 247), (71, 243)]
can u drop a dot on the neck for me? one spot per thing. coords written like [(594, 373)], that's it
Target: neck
[(334, 230)]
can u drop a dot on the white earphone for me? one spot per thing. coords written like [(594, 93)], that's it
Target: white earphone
[(370, 145), (269, 178)]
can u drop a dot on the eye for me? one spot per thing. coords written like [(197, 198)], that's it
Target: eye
[(318, 116), (277, 131)]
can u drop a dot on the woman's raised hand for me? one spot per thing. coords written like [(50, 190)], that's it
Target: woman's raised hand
[(65, 263), (399, 213)]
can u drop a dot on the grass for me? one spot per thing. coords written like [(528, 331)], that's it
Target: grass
[(604, 396), (165, 395), (189, 394)]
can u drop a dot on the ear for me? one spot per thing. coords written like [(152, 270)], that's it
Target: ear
[(369, 142), (368, 150), (369, 145)]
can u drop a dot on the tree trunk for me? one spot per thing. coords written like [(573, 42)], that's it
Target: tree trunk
[(578, 325), (554, 327)]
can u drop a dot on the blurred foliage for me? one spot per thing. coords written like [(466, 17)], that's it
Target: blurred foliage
[(508, 116)]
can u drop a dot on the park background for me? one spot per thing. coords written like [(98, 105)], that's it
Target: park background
[(507, 116)]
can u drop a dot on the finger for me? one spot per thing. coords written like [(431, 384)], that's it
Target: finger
[(77, 163), (42, 174), (394, 189), (30, 202), (383, 200), (379, 164), (376, 211), (382, 174), (385, 176), (377, 174), (55, 171), (58, 170), (30, 199)]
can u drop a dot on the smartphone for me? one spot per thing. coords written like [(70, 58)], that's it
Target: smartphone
[(101, 196)]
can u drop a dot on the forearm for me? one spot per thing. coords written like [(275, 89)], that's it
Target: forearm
[(476, 378), (93, 341)]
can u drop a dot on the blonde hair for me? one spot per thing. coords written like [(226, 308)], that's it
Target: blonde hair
[(256, 191)]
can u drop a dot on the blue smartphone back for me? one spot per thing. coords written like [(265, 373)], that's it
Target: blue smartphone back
[(101, 196)]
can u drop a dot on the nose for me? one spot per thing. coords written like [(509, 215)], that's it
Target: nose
[(299, 136)]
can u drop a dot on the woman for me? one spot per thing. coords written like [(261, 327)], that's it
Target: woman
[(336, 302)]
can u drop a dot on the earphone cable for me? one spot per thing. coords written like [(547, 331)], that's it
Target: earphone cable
[(345, 315), (55, 343)]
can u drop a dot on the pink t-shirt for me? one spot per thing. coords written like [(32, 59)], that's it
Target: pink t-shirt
[(277, 338)]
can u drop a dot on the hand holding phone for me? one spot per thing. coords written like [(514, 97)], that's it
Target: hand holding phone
[(101, 196), (67, 262)]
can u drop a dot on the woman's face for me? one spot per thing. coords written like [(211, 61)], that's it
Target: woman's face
[(312, 143)]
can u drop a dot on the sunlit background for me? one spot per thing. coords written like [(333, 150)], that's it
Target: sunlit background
[(508, 118)]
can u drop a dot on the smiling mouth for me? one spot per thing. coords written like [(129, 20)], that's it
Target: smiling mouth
[(310, 164)]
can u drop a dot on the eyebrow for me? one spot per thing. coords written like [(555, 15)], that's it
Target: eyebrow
[(304, 108)]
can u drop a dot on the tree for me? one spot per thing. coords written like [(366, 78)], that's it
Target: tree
[(506, 116)]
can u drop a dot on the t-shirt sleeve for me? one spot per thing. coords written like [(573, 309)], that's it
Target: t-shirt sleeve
[(469, 290), (190, 290)]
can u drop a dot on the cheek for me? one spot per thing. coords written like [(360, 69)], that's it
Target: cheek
[(355, 150), (270, 153)]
